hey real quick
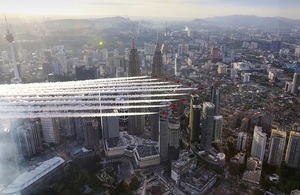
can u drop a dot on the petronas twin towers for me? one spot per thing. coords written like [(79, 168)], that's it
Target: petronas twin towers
[(136, 124)]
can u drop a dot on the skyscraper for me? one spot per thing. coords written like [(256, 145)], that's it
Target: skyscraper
[(110, 127), (136, 124), (241, 141), (157, 65), (194, 118), (218, 126), (296, 84), (154, 124), (215, 98), (207, 124), (134, 66), (50, 130), (91, 133), (259, 143), (292, 158), (29, 139), (277, 146), (174, 132), (163, 136)]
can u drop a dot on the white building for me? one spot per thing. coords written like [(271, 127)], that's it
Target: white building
[(259, 143), (241, 141)]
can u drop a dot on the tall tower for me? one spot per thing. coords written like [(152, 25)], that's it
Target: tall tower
[(215, 98), (91, 133), (218, 127), (207, 125), (157, 65), (292, 158), (241, 141), (194, 118), (136, 124), (163, 136), (134, 66), (259, 143), (296, 84), (10, 38), (277, 145)]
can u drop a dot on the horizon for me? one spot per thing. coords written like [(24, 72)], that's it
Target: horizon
[(181, 9)]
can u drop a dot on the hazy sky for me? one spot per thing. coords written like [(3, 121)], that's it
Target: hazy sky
[(154, 8)]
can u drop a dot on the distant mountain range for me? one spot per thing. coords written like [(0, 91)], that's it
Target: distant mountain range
[(249, 20)]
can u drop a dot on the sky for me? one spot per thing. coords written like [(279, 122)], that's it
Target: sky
[(188, 9)]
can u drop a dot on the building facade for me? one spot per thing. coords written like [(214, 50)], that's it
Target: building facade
[(259, 143)]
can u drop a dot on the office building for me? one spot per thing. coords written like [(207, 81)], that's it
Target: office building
[(259, 143), (29, 139), (292, 158), (207, 125), (110, 127), (215, 53), (50, 128), (241, 141), (91, 133), (79, 123), (163, 137), (277, 146), (67, 126), (218, 126), (174, 132), (176, 66), (194, 118), (215, 99), (296, 84), (154, 124)]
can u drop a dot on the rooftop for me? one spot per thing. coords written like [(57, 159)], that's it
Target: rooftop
[(29, 177)]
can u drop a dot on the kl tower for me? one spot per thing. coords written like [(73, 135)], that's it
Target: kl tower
[(10, 38)]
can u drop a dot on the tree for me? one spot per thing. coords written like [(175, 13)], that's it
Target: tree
[(122, 189), (135, 183)]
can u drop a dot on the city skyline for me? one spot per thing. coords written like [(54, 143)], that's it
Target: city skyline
[(187, 9)]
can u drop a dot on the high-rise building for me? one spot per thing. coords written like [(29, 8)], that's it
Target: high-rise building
[(215, 53), (218, 127), (259, 143), (292, 158), (154, 124), (67, 126), (29, 139), (241, 141), (215, 99), (136, 124), (50, 130), (157, 65), (277, 146), (296, 84), (134, 66), (79, 127), (207, 125), (176, 68), (163, 137), (194, 118), (174, 132), (110, 127), (91, 133)]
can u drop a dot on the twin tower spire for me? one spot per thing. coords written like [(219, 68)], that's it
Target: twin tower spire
[(134, 64)]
